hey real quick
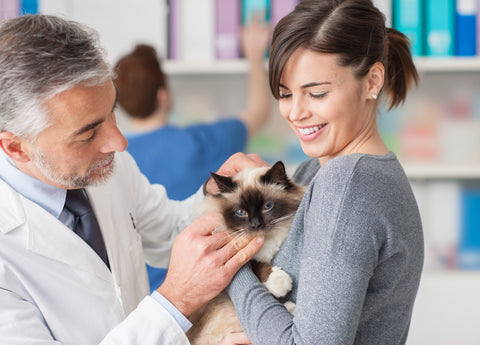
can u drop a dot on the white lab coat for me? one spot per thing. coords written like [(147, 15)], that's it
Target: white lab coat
[(54, 289)]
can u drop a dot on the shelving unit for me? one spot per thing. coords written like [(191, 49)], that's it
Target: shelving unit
[(239, 66)]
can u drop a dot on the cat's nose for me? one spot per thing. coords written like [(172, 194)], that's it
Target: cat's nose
[(256, 224)]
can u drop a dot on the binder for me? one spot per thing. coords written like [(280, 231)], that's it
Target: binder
[(197, 30), (259, 9), (408, 18), (29, 6), (466, 27), (385, 6), (9, 9), (469, 242), (174, 29), (227, 29), (279, 9), (440, 27)]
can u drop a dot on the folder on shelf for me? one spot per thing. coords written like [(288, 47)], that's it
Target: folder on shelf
[(227, 29), (408, 18), (469, 244), (9, 9), (29, 6), (279, 9), (174, 30), (192, 30), (440, 27), (259, 9), (466, 27)]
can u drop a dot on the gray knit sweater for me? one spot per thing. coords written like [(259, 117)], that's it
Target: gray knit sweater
[(355, 252)]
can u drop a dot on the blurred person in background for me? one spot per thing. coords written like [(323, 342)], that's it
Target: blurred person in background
[(181, 158)]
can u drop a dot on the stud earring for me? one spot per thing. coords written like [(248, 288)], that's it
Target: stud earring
[(374, 96)]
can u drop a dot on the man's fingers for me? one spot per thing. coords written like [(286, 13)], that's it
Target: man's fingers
[(244, 255), (205, 225)]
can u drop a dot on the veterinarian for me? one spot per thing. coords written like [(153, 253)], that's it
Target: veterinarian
[(77, 217), (355, 250)]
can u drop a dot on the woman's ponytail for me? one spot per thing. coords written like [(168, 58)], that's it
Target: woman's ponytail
[(401, 72)]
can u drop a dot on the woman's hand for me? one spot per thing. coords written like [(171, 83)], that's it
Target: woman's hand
[(234, 164)]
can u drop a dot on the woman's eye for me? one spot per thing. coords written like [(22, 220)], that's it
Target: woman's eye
[(284, 94), (318, 95), (268, 206), (240, 213)]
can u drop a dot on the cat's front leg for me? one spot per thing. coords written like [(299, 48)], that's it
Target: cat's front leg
[(277, 281)]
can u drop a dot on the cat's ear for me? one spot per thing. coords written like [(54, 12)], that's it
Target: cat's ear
[(277, 175), (225, 184)]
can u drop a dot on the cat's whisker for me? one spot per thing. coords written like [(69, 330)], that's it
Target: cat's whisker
[(281, 219)]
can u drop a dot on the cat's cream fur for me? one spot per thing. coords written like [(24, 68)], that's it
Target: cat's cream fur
[(218, 317)]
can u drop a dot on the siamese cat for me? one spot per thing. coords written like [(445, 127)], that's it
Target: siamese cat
[(255, 201)]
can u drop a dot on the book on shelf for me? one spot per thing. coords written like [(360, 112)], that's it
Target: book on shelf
[(440, 27), (227, 26), (408, 18), (466, 27), (9, 9)]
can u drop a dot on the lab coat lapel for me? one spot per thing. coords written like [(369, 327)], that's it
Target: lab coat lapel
[(46, 235)]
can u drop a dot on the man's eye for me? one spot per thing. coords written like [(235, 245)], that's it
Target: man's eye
[(89, 139)]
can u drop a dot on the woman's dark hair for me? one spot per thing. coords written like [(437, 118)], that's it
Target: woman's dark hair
[(138, 78), (352, 29)]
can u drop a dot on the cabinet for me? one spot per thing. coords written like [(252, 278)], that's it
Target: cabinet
[(448, 303)]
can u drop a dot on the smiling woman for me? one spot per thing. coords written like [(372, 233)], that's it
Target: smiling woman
[(355, 249)]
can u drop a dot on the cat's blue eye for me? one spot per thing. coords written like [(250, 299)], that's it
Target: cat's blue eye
[(268, 206), (240, 213)]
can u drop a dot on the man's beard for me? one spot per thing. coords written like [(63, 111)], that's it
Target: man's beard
[(94, 175)]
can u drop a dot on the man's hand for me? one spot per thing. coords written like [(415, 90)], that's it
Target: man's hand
[(202, 264), (234, 164), (237, 338)]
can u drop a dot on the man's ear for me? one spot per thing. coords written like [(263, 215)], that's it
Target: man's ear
[(14, 147), (375, 80)]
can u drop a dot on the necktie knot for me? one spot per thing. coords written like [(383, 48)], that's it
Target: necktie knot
[(77, 202)]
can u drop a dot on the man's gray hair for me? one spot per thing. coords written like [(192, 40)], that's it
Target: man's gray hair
[(40, 57)]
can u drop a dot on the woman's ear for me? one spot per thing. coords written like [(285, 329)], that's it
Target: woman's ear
[(375, 80), (163, 99), (14, 147)]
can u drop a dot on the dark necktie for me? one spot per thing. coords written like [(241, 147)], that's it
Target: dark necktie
[(86, 225)]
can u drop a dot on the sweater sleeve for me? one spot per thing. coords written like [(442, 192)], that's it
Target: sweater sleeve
[(336, 263)]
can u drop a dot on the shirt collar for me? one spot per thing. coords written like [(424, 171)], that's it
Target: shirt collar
[(51, 198)]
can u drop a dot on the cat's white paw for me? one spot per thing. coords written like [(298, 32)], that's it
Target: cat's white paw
[(279, 283), (290, 306)]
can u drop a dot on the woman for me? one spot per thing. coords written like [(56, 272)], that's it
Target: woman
[(355, 250)]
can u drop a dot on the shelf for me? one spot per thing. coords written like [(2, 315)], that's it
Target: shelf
[(239, 66), (442, 171), (447, 64), (235, 66)]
